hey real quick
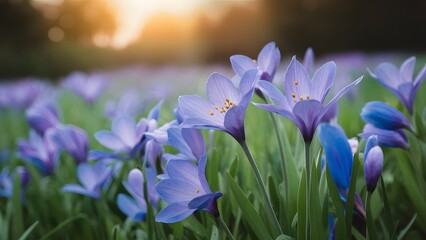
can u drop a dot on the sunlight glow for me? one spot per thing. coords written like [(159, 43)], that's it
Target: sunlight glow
[(132, 15)]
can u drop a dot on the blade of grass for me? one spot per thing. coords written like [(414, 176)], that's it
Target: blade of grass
[(28, 231)]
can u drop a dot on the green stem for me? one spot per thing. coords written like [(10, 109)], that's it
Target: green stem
[(371, 235), (308, 186), (283, 163), (261, 184), (225, 228)]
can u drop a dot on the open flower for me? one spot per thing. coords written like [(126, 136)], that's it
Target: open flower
[(135, 206), (400, 82), (40, 151), (267, 61), (188, 141), (303, 102), (42, 116), (225, 107), (92, 178), (88, 87), (186, 190), (73, 140), (339, 161)]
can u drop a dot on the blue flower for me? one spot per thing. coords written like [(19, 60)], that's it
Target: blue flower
[(186, 190), (339, 161), (400, 82), (225, 107), (88, 87), (303, 102), (267, 61), (73, 140), (383, 116), (135, 206), (40, 151), (42, 116), (93, 177), (386, 138)]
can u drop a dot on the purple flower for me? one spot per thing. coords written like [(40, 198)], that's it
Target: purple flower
[(42, 116), (267, 61), (339, 161), (383, 116), (125, 135), (303, 102), (40, 151), (308, 61), (226, 107), (135, 206), (92, 178), (400, 82), (373, 165), (130, 104), (188, 141), (73, 140), (386, 138), (7, 180), (88, 87), (185, 190), (22, 94)]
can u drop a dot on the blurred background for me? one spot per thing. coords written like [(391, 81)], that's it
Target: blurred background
[(51, 38)]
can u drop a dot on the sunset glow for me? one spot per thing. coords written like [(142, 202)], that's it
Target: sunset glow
[(132, 15)]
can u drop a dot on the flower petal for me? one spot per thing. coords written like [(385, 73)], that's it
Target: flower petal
[(219, 88), (176, 190), (388, 75), (339, 154), (200, 108), (297, 82), (183, 170), (74, 188), (309, 113), (124, 127), (194, 139), (407, 69), (274, 93), (323, 80), (110, 140), (240, 64), (175, 212), (130, 208)]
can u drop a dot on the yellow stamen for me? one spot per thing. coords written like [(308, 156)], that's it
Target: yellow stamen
[(301, 98), (197, 190), (216, 107), (293, 95), (296, 83), (227, 99), (211, 112), (294, 100), (226, 106), (254, 60), (307, 97)]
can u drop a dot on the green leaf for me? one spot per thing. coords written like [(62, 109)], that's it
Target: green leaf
[(284, 237), (371, 228), (249, 213), (351, 194), (405, 230), (357, 234), (18, 222), (420, 127), (340, 226), (301, 207), (317, 230), (234, 167), (390, 226), (215, 233), (63, 224), (28, 231), (196, 227)]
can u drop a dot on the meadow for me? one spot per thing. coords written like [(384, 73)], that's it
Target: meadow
[(119, 155)]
